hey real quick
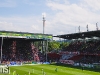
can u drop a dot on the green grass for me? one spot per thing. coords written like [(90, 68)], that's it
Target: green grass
[(50, 70)]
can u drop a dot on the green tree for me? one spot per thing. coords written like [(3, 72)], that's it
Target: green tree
[(54, 45), (64, 44)]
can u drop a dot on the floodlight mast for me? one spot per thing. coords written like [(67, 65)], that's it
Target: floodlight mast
[(87, 27), (97, 25), (44, 15), (79, 29)]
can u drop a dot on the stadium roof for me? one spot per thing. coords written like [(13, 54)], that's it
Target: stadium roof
[(12, 34), (89, 34)]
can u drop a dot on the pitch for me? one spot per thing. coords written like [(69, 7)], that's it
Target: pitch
[(47, 69)]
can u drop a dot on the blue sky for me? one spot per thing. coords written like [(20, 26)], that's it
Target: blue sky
[(62, 16)]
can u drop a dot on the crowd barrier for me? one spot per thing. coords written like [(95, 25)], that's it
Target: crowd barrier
[(67, 52), (13, 63), (67, 62)]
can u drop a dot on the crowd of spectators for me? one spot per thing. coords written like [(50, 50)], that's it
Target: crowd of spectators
[(88, 49), (35, 53), (20, 50)]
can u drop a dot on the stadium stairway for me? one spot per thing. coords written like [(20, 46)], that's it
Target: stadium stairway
[(66, 57), (76, 58)]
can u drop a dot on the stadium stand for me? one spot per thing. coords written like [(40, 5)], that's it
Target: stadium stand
[(22, 47), (86, 50), (17, 51)]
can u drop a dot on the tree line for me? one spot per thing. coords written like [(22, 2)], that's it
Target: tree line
[(56, 45)]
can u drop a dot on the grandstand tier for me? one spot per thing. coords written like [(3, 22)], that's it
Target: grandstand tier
[(84, 47), (22, 46)]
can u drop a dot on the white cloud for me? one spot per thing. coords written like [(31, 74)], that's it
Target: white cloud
[(70, 16), (92, 4), (7, 3), (5, 25), (25, 24), (65, 19)]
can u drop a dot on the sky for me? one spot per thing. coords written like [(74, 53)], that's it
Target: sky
[(62, 16)]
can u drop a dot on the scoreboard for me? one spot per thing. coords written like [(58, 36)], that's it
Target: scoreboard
[(4, 69)]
